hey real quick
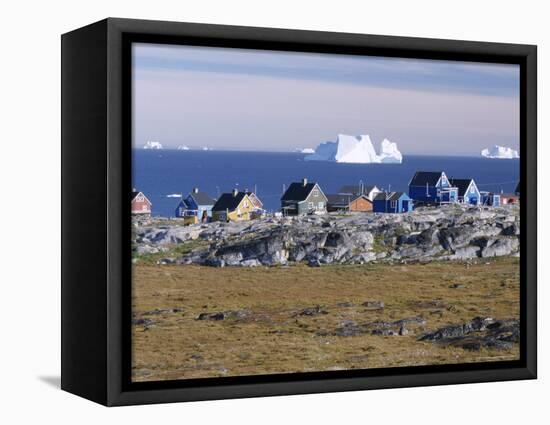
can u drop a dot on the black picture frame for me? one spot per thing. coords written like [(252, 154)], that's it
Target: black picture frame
[(96, 181)]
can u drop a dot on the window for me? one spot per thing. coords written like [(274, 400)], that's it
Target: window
[(139, 198), (310, 205), (472, 189), (320, 205), (315, 192), (393, 204)]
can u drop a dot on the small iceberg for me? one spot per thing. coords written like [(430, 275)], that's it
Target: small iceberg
[(500, 152), (174, 195), (152, 145), (356, 150), (182, 148), (307, 150)]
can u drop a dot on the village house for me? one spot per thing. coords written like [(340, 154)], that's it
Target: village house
[(234, 206), (392, 202), (141, 206), (257, 204), (468, 192), (489, 198), (348, 203), (432, 187), (369, 191), (196, 207), (509, 199), (303, 198)]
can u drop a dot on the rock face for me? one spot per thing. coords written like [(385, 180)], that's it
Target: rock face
[(455, 232)]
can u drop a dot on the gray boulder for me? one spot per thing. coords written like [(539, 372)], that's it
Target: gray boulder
[(503, 246)]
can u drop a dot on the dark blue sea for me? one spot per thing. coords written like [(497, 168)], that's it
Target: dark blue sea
[(161, 173)]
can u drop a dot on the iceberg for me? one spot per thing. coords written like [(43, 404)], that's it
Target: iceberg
[(152, 145), (182, 148), (307, 150), (174, 195), (389, 154), (356, 150), (500, 152)]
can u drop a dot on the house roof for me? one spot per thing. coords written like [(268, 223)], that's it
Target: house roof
[(202, 198), (421, 178), (461, 184), (343, 199), (228, 201), (184, 203), (298, 191), (136, 193), (356, 189), (392, 196), (255, 200)]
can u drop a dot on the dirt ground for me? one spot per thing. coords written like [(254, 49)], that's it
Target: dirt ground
[(283, 319)]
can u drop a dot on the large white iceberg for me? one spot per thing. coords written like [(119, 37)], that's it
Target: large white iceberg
[(356, 149), (500, 152), (152, 145)]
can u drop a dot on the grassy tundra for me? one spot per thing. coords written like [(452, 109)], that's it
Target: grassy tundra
[(284, 318)]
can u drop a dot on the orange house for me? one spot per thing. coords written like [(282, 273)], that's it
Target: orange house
[(349, 202)]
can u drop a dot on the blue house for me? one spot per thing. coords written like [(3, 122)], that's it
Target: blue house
[(392, 202), (197, 206), (490, 199), (468, 192), (432, 187)]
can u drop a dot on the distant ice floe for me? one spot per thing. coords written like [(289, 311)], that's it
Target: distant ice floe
[(356, 149), (500, 152), (174, 195), (152, 145), (182, 148), (307, 150)]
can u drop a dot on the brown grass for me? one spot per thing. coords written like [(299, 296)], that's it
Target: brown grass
[(274, 340)]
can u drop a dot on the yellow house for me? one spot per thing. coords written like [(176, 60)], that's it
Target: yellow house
[(234, 206)]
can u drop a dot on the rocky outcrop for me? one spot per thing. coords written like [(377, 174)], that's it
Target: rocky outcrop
[(381, 328), (453, 232), (477, 333)]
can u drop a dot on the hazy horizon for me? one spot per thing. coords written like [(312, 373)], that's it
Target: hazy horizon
[(252, 100)]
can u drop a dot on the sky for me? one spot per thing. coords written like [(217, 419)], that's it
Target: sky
[(242, 99)]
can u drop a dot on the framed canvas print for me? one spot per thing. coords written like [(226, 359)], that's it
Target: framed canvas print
[(253, 212)]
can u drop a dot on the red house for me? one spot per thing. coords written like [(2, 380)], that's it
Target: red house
[(140, 204)]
